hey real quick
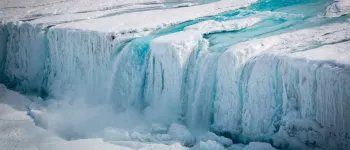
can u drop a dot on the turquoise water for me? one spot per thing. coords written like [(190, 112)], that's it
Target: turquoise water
[(279, 16)]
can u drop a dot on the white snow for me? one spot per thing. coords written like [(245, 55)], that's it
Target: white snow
[(338, 8), (212, 26), (74, 17), (18, 131), (154, 19), (84, 144), (112, 16), (15, 9), (335, 53)]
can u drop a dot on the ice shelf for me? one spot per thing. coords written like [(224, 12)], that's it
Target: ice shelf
[(176, 74)]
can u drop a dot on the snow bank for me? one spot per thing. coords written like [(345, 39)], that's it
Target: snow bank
[(154, 19), (18, 131), (338, 8), (113, 16), (85, 144), (33, 9)]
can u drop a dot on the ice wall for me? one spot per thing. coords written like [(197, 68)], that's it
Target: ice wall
[(3, 41), (24, 63), (55, 62), (289, 89), (265, 85), (78, 63), (316, 90), (249, 77)]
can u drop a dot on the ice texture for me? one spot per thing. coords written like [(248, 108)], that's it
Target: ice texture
[(259, 146), (212, 26), (153, 19), (338, 8), (210, 136), (180, 133), (252, 73), (168, 61), (211, 145), (273, 72)]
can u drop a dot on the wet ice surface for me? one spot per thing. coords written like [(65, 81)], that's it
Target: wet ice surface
[(188, 75)]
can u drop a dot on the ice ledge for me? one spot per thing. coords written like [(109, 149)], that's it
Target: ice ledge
[(212, 26)]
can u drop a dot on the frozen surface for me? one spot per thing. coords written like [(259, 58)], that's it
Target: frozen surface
[(211, 26), (239, 58), (259, 146), (210, 136), (338, 8), (209, 145), (34, 9), (86, 144), (154, 19), (175, 74), (180, 133)]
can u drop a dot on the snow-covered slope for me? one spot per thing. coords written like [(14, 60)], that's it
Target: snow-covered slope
[(177, 74), (70, 10), (18, 130)]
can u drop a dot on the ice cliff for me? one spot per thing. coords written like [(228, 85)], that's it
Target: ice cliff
[(208, 74)]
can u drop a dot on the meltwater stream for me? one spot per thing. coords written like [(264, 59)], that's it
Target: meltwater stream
[(245, 81)]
